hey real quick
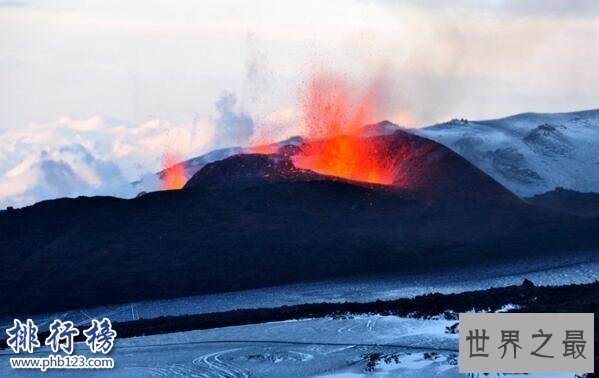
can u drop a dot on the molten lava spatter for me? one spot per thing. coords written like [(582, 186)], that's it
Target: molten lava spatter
[(174, 172), (264, 149), (333, 119)]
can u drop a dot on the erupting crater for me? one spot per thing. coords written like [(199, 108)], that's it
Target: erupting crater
[(335, 143), (173, 176)]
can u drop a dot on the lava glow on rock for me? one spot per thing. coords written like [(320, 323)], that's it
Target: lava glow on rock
[(335, 145), (174, 172)]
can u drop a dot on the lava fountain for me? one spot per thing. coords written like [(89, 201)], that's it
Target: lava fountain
[(334, 119), (174, 172)]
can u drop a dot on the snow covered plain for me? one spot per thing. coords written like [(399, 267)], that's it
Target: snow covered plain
[(554, 270), (323, 347)]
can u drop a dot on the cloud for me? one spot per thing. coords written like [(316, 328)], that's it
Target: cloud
[(103, 156), (514, 8), (96, 156), (488, 59), (451, 58), (67, 171), (13, 3), (232, 127)]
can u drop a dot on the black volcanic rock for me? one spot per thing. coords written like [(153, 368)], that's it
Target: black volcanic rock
[(528, 283), (568, 201), (431, 169), (548, 140), (256, 220), (426, 168), (250, 169)]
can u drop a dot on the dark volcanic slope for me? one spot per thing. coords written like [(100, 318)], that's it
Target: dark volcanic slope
[(569, 201), (240, 171), (432, 169), (266, 223)]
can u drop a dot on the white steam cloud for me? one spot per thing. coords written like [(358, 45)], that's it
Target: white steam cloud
[(232, 127), (95, 156)]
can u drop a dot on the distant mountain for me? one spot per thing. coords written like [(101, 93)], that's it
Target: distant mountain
[(569, 201), (529, 153), (255, 220)]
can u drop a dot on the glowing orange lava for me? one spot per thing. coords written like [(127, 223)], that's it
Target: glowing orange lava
[(174, 172), (264, 149), (334, 119), (262, 143)]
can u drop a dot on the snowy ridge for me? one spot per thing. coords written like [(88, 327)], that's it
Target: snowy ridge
[(529, 153)]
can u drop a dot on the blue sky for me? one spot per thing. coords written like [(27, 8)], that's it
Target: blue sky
[(128, 80)]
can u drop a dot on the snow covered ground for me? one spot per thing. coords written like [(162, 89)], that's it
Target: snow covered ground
[(323, 347), (579, 268)]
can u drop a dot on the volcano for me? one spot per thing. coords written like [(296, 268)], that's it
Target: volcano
[(252, 220), (412, 165)]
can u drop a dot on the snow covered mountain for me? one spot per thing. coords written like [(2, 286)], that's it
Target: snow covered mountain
[(529, 153)]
